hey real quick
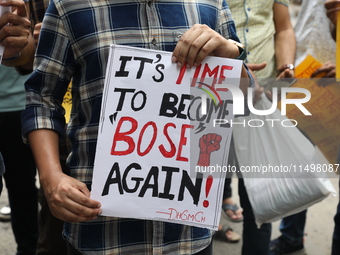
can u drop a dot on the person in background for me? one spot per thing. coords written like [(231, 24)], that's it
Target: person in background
[(265, 28), (18, 159), (50, 240), (308, 30), (332, 11), (43, 123)]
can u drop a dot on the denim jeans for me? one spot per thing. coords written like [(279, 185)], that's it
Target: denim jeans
[(20, 182), (292, 227)]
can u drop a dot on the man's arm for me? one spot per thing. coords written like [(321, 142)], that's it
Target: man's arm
[(285, 42), (68, 198), (17, 37)]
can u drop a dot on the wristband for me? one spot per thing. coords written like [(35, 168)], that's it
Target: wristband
[(12, 58), (240, 46)]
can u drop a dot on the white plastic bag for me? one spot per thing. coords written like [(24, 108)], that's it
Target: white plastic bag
[(285, 154)]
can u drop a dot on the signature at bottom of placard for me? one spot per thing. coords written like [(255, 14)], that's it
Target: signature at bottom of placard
[(173, 214)]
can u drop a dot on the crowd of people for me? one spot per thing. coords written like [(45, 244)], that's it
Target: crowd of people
[(49, 45)]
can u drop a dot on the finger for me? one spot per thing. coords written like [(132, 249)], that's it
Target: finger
[(77, 207), (285, 74), (17, 20), (20, 27), (189, 48), (82, 197), (331, 4), (180, 52), (256, 67), (319, 74), (332, 14), (80, 186), (288, 73), (200, 48), (17, 30), (15, 41), (66, 215), (207, 43), (324, 71), (328, 63), (330, 74), (18, 4), (316, 73), (70, 210)]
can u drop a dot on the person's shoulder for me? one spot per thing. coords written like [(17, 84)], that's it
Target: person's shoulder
[(69, 3), (69, 6)]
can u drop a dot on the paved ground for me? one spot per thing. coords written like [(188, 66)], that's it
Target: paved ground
[(318, 230)]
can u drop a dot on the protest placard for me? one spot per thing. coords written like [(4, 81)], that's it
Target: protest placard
[(161, 154)]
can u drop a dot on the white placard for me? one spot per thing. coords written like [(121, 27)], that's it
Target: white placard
[(159, 155)]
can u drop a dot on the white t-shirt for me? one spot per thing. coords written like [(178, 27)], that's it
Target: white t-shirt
[(312, 30)]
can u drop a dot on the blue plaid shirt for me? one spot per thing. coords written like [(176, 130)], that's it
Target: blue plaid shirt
[(74, 44)]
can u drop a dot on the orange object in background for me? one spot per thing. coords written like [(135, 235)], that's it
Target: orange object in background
[(323, 126), (308, 66)]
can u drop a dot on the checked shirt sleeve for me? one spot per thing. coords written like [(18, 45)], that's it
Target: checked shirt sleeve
[(48, 83)]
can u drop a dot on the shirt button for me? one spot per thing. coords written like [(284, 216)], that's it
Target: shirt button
[(248, 9), (154, 41), (247, 30)]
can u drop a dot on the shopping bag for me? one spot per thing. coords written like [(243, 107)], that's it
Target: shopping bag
[(283, 172)]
